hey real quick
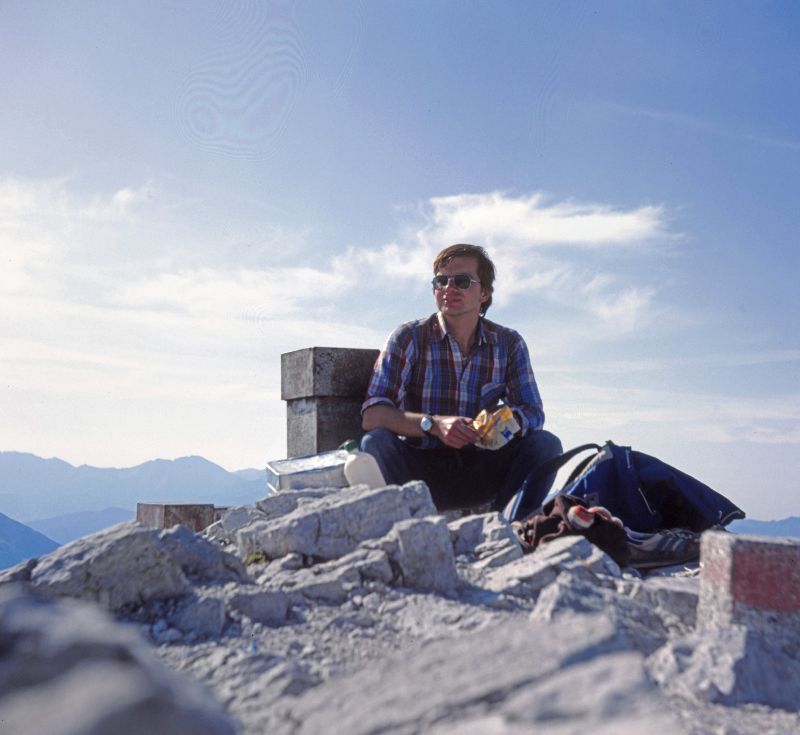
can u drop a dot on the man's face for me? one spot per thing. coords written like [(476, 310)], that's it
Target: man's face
[(454, 301)]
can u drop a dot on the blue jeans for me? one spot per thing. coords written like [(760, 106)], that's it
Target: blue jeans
[(468, 477)]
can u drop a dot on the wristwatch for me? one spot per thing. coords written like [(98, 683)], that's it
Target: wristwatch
[(426, 423)]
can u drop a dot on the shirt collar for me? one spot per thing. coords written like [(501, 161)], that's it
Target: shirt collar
[(485, 335)]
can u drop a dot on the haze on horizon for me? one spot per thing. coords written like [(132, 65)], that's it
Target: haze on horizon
[(189, 190)]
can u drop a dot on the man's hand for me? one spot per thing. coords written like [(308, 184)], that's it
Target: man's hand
[(454, 431)]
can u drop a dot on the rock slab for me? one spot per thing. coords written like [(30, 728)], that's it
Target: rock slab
[(68, 668)]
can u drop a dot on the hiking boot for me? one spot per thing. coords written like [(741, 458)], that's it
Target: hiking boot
[(663, 548)]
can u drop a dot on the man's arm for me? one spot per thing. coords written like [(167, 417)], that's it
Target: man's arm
[(383, 416), (453, 431), (522, 393)]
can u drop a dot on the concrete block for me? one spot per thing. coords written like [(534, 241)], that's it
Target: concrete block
[(324, 388), (326, 371), (316, 425), (749, 580), (195, 516)]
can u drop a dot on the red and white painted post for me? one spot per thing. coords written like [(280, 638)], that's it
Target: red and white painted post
[(749, 580)]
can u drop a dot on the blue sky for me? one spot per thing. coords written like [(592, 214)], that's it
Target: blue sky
[(187, 190)]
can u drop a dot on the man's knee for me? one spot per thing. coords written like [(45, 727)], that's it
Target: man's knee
[(542, 444), (537, 448), (387, 449), (378, 441), (551, 444)]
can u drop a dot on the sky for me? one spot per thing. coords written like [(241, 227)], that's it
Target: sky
[(189, 190)]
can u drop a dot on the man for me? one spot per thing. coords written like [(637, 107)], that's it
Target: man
[(435, 375)]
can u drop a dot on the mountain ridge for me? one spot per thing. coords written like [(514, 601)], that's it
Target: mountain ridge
[(33, 488), (65, 502), (19, 542), (71, 526), (781, 527)]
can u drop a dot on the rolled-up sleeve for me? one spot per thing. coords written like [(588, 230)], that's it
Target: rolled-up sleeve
[(522, 393), (392, 369)]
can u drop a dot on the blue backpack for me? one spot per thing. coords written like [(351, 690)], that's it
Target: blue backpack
[(644, 492)]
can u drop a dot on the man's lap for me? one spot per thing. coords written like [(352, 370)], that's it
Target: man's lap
[(462, 478)]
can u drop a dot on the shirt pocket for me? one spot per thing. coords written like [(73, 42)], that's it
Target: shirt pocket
[(490, 393)]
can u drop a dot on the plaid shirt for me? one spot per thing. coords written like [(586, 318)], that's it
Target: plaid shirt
[(421, 369)]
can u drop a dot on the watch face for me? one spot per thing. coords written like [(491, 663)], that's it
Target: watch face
[(426, 423)]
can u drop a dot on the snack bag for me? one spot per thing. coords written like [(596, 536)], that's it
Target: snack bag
[(495, 429)]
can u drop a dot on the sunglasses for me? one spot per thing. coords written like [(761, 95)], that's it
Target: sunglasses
[(460, 280)]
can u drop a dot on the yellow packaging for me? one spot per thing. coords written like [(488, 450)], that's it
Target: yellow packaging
[(495, 429)]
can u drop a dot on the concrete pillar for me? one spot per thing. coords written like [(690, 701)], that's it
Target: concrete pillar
[(750, 580), (324, 388)]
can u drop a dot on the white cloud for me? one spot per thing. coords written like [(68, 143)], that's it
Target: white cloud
[(539, 247), (40, 206), (128, 299), (500, 220), (625, 309), (128, 251), (124, 298), (238, 293)]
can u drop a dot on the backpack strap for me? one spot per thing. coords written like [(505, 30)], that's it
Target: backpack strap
[(551, 466), (556, 463), (579, 468)]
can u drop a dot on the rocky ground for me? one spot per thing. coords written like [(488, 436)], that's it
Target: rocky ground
[(364, 611)]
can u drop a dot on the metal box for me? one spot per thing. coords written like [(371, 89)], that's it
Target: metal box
[(325, 469)]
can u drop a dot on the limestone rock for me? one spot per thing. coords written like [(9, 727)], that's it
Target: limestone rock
[(331, 582), (67, 668), (123, 566), (581, 674), (571, 593), (468, 533), (200, 559), (497, 553), (224, 530), (19, 572), (674, 599), (200, 615), (730, 666), (286, 501), (365, 611), (129, 565), (528, 575), (336, 523), (425, 555), (262, 606)]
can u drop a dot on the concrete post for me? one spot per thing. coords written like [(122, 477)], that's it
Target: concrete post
[(324, 388), (750, 580)]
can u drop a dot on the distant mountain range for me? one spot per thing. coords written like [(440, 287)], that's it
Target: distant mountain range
[(18, 542), (68, 527), (47, 502), (785, 527), (36, 489)]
